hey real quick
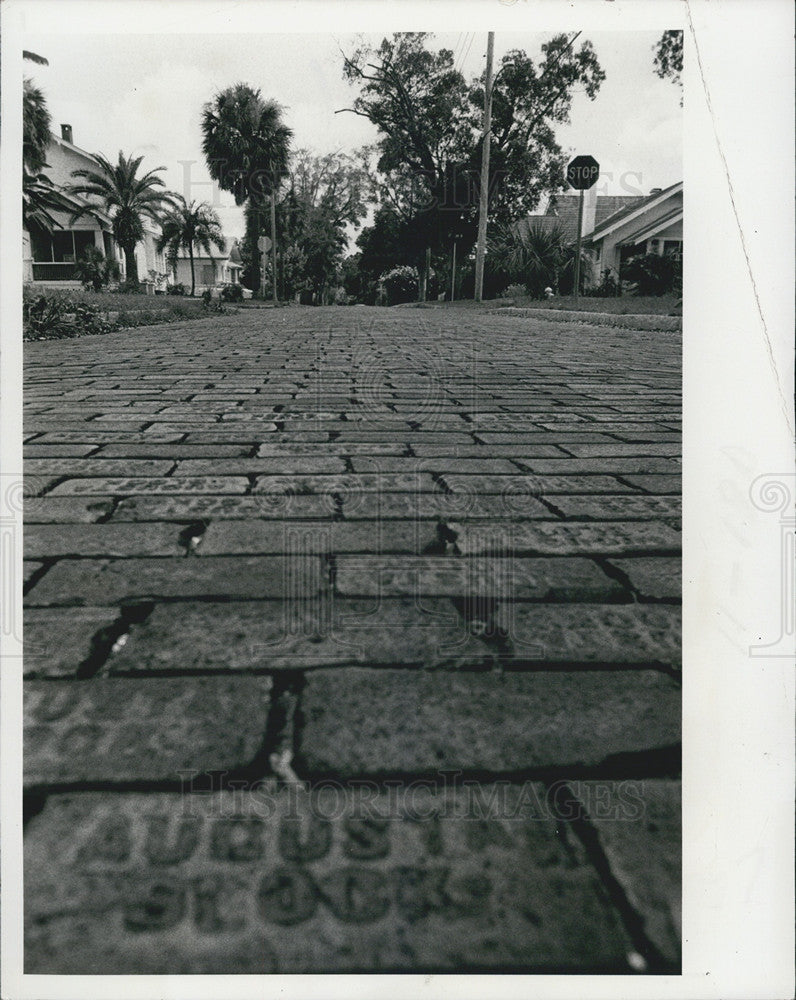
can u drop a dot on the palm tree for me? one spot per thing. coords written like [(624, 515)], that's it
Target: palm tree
[(36, 122), (247, 146), (190, 225), (127, 197), (535, 254)]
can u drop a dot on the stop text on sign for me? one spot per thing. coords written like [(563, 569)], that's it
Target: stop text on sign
[(582, 172)]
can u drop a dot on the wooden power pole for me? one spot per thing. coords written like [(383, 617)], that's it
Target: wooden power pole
[(273, 242), (483, 205)]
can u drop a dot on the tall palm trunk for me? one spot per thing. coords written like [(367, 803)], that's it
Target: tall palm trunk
[(193, 276), (130, 265)]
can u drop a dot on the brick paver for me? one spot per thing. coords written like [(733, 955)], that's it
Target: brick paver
[(425, 562)]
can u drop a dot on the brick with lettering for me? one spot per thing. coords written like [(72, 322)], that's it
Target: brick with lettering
[(325, 882)]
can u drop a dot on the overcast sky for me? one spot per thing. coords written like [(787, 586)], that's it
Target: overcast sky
[(144, 94)]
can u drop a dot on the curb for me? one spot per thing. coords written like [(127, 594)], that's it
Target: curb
[(632, 321)]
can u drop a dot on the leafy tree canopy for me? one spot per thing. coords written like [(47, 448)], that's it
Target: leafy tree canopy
[(669, 56), (429, 120)]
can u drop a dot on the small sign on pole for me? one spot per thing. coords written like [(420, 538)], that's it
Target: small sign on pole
[(263, 245), (582, 173)]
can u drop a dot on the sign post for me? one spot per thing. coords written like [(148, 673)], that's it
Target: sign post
[(582, 173), (263, 245)]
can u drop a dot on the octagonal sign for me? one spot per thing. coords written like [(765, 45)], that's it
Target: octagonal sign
[(582, 172)]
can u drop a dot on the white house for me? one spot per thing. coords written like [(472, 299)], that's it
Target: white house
[(617, 227), (652, 225), (49, 258), (210, 272)]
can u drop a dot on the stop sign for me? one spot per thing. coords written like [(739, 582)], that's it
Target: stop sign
[(582, 172)]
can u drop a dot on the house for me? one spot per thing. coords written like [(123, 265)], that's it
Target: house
[(617, 227), (650, 225), (211, 273), (49, 258)]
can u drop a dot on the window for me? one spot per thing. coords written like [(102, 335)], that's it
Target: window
[(83, 240), (67, 246), (673, 248)]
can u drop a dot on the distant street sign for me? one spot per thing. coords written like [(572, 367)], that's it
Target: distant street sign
[(264, 244), (582, 172)]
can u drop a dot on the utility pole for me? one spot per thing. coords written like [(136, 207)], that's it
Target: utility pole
[(273, 242), (483, 206), (577, 248), (453, 273)]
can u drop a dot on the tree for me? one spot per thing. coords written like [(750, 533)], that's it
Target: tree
[(40, 197), (188, 226), (538, 256), (669, 57), (429, 119), (325, 194), (127, 197), (246, 146), (36, 122)]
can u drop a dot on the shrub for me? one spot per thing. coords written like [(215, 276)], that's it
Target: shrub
[(513, 292), (55, 315), (232, 293), (609, 287), (95, 270), (654, 274), (400, 285), (176, 289)]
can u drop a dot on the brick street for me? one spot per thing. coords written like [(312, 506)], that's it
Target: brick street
[(412, 560)]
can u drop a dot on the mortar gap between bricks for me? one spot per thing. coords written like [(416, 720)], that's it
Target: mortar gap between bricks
[(106, 639), (583, 830)]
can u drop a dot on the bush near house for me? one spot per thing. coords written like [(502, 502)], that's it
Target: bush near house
[(232, 293), (54, 315), (95, 270), (400, 285), (654, 274)]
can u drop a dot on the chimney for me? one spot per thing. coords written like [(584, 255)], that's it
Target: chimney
[(66, 133), (655, 191)]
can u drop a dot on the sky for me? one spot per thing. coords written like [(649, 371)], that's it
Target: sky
[(145, 94)]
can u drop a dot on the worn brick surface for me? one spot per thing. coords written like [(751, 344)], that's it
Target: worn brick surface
[(567, 579), (110, 581), (67, 510), (654, 578), (643, 845), (363, 885), (326, 537), (448, 538), (117, 729), (271, 635), (360, 721), (58, 640), (43, 540), (124, 486), (547, 538), (199, 507)]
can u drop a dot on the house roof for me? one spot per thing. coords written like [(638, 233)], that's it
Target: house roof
[(651, 228), (632, 211), (564, 207)]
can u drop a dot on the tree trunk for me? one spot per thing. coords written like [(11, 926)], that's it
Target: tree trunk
[(193, 277), (130, 266)]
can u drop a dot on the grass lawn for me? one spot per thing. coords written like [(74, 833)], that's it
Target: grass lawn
[(126, 302), (625, 305), (51, 314)]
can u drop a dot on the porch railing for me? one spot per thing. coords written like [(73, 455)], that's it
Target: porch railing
[(50, 271)]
